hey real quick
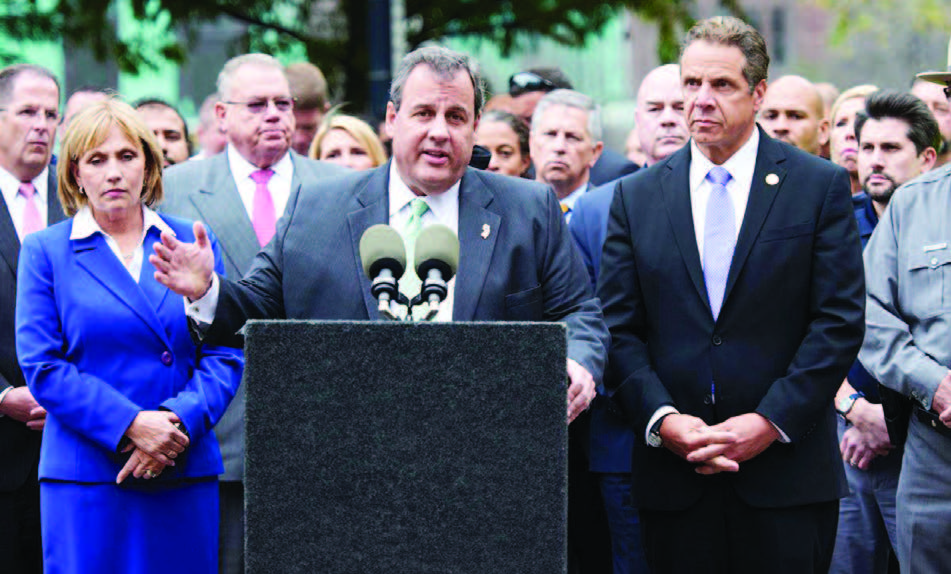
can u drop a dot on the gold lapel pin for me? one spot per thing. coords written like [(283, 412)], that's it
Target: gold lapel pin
[(485, 231), (772, 179)]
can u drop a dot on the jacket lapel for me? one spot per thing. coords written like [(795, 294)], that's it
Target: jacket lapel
[(675, 188), (98, 260), (769, 158), (9, 242), (372, 208), (475, 246), (221, 208)]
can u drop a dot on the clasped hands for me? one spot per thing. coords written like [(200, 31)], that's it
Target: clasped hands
[(155, 444), (718, 448)]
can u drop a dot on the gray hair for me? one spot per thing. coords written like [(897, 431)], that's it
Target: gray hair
[(571, 99), (445, 63), (9, 75), (226, 76)]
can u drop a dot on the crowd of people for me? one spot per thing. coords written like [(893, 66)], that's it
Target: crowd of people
[(754, 294)]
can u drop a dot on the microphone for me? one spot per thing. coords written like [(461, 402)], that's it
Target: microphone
[(383, 256), (437, 257)]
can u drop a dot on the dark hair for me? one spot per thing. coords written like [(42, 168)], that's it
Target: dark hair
[(538, 80), (9, 75), (923, 129), (512, 121), (730, 31), (160, 103)]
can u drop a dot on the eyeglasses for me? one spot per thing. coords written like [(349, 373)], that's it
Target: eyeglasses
[(259, 105), (524, 82)]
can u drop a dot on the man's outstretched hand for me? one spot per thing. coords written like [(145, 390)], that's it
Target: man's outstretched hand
[(185, 268)]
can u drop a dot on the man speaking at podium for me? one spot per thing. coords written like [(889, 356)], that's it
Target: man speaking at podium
[(516, 261)]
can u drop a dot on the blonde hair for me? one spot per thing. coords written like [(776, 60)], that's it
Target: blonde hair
[(86, 131), (358, 130), (852, 93)]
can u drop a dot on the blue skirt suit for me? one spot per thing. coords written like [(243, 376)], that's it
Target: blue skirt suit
[(97, 348)]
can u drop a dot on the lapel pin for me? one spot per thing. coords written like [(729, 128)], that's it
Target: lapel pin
[(772, 179), (485, 231)]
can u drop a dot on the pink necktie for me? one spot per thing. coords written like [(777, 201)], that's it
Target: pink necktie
[(262, 218), (31, 215)]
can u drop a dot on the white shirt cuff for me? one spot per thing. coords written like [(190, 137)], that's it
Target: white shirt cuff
[(662, 411), (202, 311), (3, 395), (783, 437)]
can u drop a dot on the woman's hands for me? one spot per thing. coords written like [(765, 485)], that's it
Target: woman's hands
[(157, 442), (155, 433)]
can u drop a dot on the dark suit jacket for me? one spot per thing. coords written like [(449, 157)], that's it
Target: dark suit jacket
[(790, 326), (204, 190), (97, 348), (19, 446), (611, 166), (524, 269)]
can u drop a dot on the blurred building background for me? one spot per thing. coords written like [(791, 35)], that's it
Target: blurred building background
[(886, 46)]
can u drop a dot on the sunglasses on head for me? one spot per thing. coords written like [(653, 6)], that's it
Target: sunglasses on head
[(525, 82)]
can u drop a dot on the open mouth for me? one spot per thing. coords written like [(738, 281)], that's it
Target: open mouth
[(436, 156)]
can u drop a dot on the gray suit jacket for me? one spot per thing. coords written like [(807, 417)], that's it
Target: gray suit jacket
[(516, 261), (204, 190)]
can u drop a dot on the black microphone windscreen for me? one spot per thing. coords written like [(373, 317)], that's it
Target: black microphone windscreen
[(381, 246), (437, 247)]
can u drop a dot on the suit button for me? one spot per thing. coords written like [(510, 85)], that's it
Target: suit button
[(707, 399), (717, 341), (167, 359), (934, 425)]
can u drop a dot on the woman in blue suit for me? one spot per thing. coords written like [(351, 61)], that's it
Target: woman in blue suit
[(129, 463)]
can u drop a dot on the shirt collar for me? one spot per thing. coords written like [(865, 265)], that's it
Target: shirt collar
[(10, 185), (572, 197), (85, 225), (242, 168), (744, 160), (400, 195)]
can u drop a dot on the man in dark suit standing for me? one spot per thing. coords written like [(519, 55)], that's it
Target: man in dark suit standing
[(256, 113), (29, 115), (733, 288)]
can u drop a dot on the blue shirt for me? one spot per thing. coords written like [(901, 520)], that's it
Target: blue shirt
[(867, 219)]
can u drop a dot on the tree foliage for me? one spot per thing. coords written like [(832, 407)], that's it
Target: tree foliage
[(333, 33)]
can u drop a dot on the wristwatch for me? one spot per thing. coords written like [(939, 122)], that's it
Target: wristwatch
[(844, 407), (653, 436)]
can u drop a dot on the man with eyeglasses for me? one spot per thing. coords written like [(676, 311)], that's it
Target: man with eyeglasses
[(528, 87), (240, 194), (906, 348), (29, 115)]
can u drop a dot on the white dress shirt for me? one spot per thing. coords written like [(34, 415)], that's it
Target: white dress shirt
[(443, 208), (16, 203), (85, 225)]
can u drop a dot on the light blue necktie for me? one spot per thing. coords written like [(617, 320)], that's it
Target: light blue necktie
[(719, 238)]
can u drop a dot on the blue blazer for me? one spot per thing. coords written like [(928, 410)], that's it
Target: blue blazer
[(96, 349), (516, 261), (612, 439), (790, 327)]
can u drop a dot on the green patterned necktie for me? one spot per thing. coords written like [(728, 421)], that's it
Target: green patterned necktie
[(410, 283)]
